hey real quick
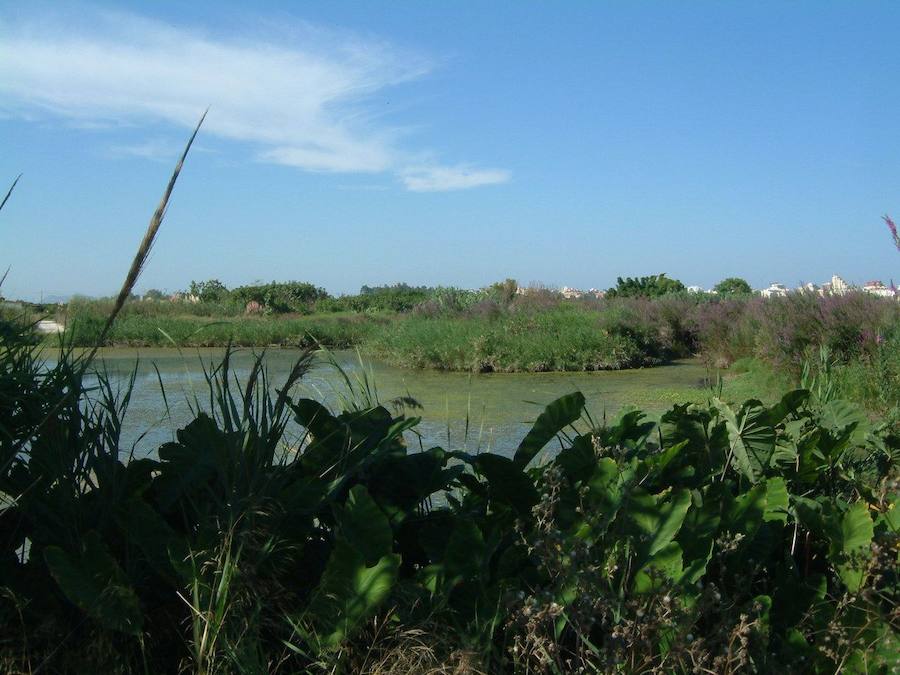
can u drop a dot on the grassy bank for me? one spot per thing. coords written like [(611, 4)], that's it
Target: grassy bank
[(543, 333), (141, 330), (559, 339)]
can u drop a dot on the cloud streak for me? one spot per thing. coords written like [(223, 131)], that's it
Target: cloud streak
[(306, 101), (445, 178)]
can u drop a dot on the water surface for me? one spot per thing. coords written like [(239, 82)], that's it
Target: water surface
[(489, 412)]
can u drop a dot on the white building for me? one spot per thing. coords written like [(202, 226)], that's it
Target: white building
[(571, 293), (839, 286), (775, 290), (879, 289)]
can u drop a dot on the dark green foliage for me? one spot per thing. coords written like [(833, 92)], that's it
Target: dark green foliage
[(154, 294), (210, 291), (279, 297), (653, 286), (397, 298), (733, 286)]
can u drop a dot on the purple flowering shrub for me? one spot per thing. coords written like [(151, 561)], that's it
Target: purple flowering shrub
[(782, 331)]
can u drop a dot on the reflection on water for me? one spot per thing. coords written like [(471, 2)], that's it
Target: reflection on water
[(476, 412)]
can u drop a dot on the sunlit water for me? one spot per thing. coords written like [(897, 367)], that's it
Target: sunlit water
[(490, 412)]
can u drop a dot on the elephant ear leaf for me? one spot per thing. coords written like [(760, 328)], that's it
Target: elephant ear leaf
[(508, 483), (850, 542), (665, 567), (94, 582), (349, 593), (751, 436), (556, 417), (655, 522), (362, 522)]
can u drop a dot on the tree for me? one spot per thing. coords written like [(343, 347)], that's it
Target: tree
[(209, 291), (154, 294), (648, 287), (733, 286), (280, 296)]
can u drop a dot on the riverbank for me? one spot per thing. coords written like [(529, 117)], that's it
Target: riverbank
[(337, 331), (558, 339), (543, 334)]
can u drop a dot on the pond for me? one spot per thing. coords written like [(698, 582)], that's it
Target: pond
[(475, 412)]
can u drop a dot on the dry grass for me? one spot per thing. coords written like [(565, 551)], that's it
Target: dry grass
[(388, 648)]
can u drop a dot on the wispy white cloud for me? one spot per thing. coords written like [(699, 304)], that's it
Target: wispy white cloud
[(304, 99), (444, 178), (154, 148)]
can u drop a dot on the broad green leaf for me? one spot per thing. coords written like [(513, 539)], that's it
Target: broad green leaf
[(850, 545), (809, 514), (556, 417), (697, 537), (839, 416), (789, 404), (465, 551), (657, 522), (363, 523), (658, 466), (349, 593), (606, 492), (508, 482), (577, 461), (751, 436), (404, 481), (329, 437), (162, 547), (672, 513), (628, 430), (664, 568), (776, 500), (192, 462), (746, 513), (93, 581)]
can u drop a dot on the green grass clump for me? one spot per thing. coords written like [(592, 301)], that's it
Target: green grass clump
[(139, 330), (562, 339)]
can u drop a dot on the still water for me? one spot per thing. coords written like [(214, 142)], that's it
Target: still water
[(489, 412)]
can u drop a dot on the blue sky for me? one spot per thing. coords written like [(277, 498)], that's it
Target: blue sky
[(450, 143)]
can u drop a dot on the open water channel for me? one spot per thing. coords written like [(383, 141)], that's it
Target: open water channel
[(490, 412)]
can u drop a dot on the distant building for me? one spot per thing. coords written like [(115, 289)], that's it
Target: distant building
[(839, 286), (571, 293), (696, 289), (809, 287), (597, 293), (879, 289), (775, 290)]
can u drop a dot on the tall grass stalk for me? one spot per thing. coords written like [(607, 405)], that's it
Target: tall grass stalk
[(10, 191), (143, 251)]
